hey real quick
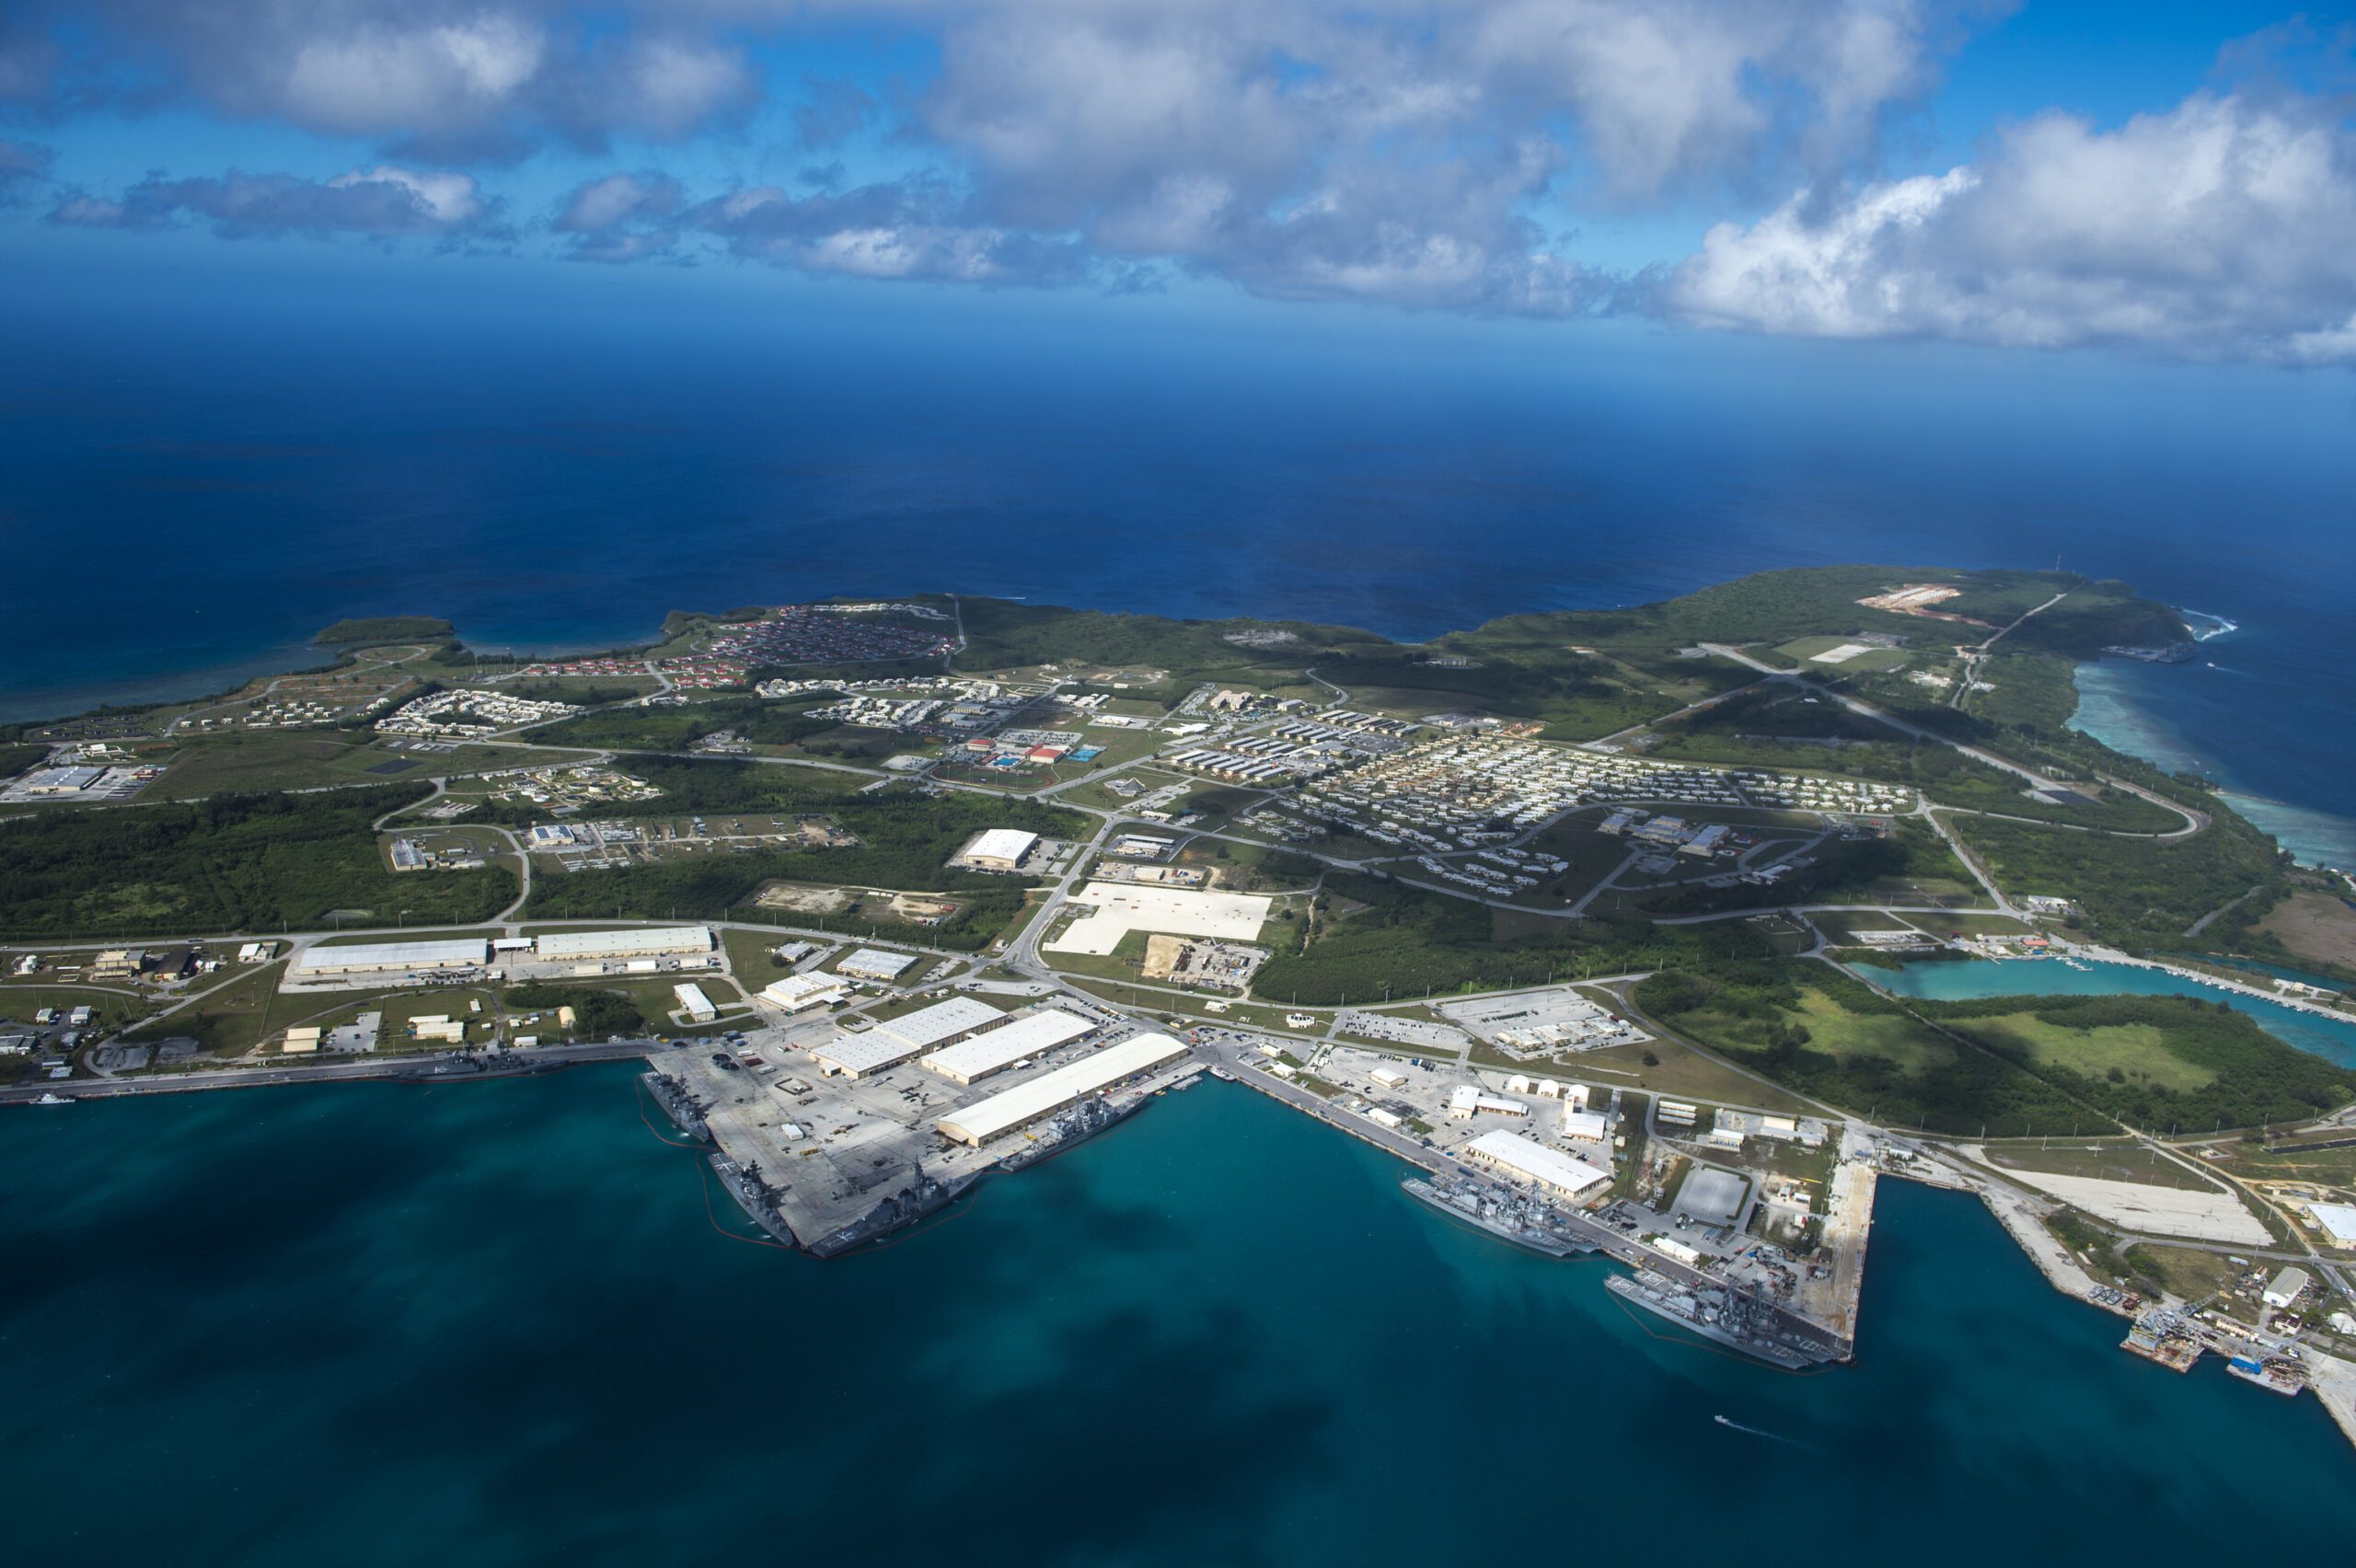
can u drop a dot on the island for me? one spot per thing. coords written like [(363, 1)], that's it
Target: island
[(1662, 933)]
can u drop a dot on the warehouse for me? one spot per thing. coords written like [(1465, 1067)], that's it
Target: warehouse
[(895, 1040), (997, 1049), (1551, 1169), (1050, 1092), (390, 958), (944, 1023), (694, 1003), (1589, 1125), (875, 963), (1000, 849), (651, 941), (796, 992)]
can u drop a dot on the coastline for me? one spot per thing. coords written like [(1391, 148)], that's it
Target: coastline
[(2116, 707)]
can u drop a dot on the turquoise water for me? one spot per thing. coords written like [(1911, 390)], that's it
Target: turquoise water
[(492, 1323), (1952, 980)]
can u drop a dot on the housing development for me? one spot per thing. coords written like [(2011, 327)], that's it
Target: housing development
[(1610, 930)]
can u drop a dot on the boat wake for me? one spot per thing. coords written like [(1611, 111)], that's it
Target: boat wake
[(1755, 1432)]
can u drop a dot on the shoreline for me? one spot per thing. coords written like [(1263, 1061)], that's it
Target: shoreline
[(2333, 1382)]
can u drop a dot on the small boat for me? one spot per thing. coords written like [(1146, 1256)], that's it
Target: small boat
[(49, 1097)]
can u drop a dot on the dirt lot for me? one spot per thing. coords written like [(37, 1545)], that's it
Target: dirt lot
[(2316, 927)]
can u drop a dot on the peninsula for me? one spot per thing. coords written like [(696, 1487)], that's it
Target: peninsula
[(1610, 925)]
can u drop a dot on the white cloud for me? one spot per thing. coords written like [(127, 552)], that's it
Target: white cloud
[(2225, 226), (383, 77)]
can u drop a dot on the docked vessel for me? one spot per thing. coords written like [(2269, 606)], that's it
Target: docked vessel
[(1723, 1317), (1523, 1221)]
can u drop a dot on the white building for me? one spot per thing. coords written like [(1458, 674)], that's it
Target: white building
[(875, 963), (652, 942), (995, 1050), (2338, 1221), (2285, 1289), (1466, 1101), (1000, 849), (1527, 1160), (694, 1003), (1589, 1125), (796, 992), (1050, 1092), (896, 1040), (390, 958)]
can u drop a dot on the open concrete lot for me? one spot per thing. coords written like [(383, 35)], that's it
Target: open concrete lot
[(1120, 908)]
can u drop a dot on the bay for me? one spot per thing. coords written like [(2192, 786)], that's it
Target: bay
[(499, 1323)]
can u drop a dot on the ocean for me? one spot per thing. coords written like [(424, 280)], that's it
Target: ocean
[(500, 1324), (181, 511)]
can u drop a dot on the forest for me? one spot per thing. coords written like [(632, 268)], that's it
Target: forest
[(267, 862)]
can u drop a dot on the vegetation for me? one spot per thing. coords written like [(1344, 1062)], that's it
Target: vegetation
[(1829, 1036), (1369, 936), (16, 759), (676, 729), (364, 629), (234, 863), (2137, 893), (595, 1013), (2155, 1062), (905, 840)]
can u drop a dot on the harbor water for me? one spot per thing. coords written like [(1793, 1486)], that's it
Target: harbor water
[(1949, 980), (500, 1322)]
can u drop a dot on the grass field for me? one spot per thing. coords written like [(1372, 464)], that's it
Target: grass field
[(2317, 927), (113, 1008), (2135, 1050), (1678, 1072), (1803, 653), (2188, 1272)]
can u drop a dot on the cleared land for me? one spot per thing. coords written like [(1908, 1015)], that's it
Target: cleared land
[(2316, 927)]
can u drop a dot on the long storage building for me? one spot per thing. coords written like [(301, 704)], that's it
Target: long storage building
[(1050, 1092), (1528, 1160), (996, 1050), (390, 958), (911, 1034), (649, 942)]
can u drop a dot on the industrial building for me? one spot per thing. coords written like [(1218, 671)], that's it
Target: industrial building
[(2285, 1289), (796, 992), (1000, 849), (391, 958), (1587, 1126), (1465, 1101), (995, 1050), (896, 1040), (652, 942), (694, 1003), (875, 963), (1529, 1162), (1050, 1092)]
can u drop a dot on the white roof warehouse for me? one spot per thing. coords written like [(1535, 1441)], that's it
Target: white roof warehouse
[(1531, 1161), (1050, 1092), (382, 958), (997, 1049), (895, 1040), (625, 944)]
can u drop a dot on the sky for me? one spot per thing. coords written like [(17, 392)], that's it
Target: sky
[(2169, 183)]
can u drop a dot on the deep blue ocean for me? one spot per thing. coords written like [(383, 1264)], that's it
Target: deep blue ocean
[(182, 506), (495, 1324)]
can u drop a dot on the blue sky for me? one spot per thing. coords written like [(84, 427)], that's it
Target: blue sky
[(2170, 182)]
